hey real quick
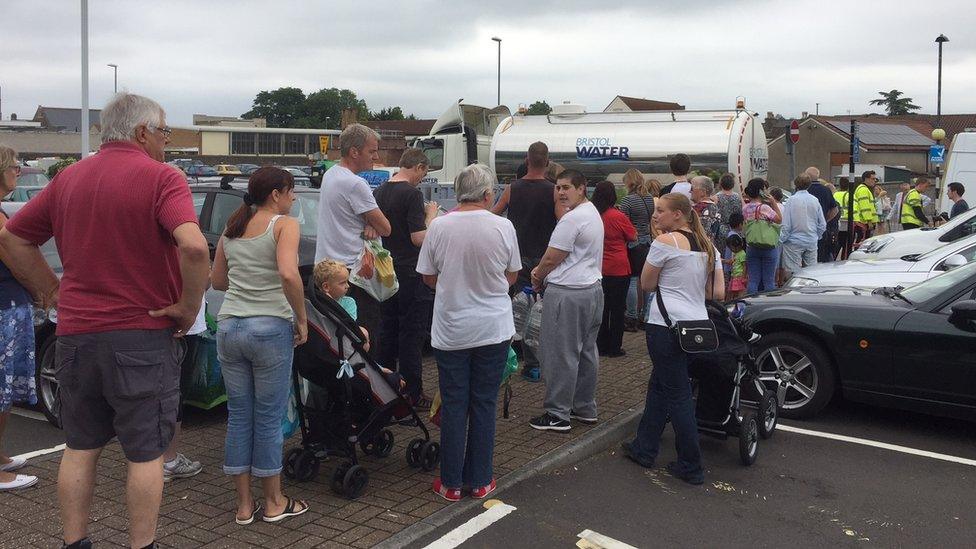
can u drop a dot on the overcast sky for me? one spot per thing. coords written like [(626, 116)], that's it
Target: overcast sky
[(212, 57)]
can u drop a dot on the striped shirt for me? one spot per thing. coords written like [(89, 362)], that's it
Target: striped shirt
[(639, 210)]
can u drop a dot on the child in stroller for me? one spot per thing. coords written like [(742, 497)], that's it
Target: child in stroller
[(351, 399), (723, 380)]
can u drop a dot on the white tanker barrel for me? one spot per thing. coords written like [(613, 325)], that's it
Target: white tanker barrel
[(606, 145)]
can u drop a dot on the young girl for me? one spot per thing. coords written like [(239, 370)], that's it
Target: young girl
[(739, 278), (333, 278)]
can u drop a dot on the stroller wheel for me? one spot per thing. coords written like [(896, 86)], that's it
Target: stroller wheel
[(384, 443), (355, 481), (768, 414), (288, 463), (430, 455), (413, 452), (749, 439), (339, 476), (306, 466)]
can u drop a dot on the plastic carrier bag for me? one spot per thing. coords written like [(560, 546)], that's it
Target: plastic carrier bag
[(373, 272), (289, 423), (206, 388)]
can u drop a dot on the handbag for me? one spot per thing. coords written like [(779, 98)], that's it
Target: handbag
[(694, 336), (761, 233), (638, 254)]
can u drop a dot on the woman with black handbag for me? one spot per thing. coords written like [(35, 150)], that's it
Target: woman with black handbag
[(683, 269)]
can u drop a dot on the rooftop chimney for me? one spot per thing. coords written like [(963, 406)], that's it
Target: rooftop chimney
[(804, 114)]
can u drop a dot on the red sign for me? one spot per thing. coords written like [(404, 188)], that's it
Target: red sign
[(795, 132)]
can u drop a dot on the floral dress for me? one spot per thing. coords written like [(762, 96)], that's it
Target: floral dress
[(728, 203), (708, 214), (17, 364)]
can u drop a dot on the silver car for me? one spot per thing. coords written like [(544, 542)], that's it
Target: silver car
[(875, 273)]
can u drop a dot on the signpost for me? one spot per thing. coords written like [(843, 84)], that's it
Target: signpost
[(324, 144), (851, 187), (793, 139), (937, 154)]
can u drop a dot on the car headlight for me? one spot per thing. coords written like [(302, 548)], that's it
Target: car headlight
[(799, 282), (873, 245)]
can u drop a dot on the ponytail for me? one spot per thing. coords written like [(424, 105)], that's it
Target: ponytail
[(238, 221)]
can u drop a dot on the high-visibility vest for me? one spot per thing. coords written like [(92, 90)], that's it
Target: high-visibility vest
[(911, 199), (841, 197), (864, 208)]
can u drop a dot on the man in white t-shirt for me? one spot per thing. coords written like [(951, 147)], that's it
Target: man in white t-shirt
[(348, 213), (571, 271), (470, 257), (680, 168)]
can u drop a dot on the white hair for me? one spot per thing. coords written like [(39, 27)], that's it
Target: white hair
[(127, 111), (355, 137), (813, 172), (473, 183), (705, 183)]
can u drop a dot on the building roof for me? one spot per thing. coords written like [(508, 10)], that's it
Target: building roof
[(407, 127), (65, 119), (884, 134), (640, 104), (951, 123)]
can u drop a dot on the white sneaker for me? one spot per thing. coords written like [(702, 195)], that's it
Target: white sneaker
[(181, 467), (15, 463), (21, 481)]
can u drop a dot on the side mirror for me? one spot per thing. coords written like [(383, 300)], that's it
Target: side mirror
[(964, 311), (954, 261)]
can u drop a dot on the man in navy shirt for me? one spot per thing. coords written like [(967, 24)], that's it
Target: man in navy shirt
[(831, 211), (955, 193)]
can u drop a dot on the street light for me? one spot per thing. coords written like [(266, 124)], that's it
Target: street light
[(938, 109), (499, 40), (115, 68), (85, 114)]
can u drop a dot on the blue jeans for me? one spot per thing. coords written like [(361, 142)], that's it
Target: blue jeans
[(469, 381), (668, 395), (761, 265), (255, 357)]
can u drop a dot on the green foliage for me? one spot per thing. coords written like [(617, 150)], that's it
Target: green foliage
[(323, 109), (55, 168), (291, 108), (282, 108), (539, 107), (894, 104), (387, 113)]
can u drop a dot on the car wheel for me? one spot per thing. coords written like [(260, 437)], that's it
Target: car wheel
[(798, 370), (47, 384)]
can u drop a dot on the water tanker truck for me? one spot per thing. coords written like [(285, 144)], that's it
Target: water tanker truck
[(602, 145)]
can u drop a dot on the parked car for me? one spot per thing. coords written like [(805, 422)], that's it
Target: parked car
[(201, 170), (32, 177), (22, 193), (874, 273), (227, 169), (45, 323), (247, 169), (306, 170), (910, 349), (916, 241), (184, 163)]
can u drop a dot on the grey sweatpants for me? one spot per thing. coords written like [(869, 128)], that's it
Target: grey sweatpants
[(567, 349)]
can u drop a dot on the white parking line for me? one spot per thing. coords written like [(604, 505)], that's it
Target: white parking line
[(474, 525), (595, 540), (37, 453), (876, 444), (30, 414)]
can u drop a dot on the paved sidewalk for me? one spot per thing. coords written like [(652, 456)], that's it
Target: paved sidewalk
[(198, 512)]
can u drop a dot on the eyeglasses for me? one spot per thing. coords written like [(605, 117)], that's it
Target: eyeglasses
[(16, 169), (166, 130)]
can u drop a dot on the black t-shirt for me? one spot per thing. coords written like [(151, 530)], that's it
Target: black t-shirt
[(827, 202), (531, 209), (958, 208), (403, 206)]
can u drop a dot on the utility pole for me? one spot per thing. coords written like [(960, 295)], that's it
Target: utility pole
[(85, 116), (499, 40), (115, 80), (851, 187), (938, 105)]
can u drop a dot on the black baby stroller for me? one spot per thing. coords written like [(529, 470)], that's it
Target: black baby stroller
[(730, 400), (350, 401)]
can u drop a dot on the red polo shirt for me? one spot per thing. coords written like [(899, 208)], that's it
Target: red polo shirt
[(617, 231), (112, 216)]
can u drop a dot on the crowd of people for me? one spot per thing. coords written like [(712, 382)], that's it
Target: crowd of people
[(136, 267)]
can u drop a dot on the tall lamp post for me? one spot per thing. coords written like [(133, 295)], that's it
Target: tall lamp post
[(938, 108), (499, 40), (115, 80), (85, 115)]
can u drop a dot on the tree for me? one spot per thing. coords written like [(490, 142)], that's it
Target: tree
[(894, 104), (323, 109), (539, 107), (388, 113), (282, 108)]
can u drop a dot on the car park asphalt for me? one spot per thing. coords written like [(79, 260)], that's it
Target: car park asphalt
[(803, 491)]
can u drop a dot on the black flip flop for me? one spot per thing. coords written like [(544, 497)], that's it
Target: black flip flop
[(250, 519), (290, 510)]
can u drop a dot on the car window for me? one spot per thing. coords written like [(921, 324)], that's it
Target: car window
[(224, 205), (968, 228), (935, 286), (199, 199), (32, 179), (969, 253), (305, 210)]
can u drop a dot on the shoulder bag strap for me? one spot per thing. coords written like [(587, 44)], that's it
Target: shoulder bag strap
[(660, 304)]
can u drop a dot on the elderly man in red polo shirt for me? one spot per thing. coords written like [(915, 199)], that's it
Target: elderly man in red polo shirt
[(135, 269)]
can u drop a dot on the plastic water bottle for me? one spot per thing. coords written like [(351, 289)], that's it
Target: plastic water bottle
[(521, 303), (533, 324)]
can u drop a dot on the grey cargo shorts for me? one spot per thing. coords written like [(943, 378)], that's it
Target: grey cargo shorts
[(123, 383)]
